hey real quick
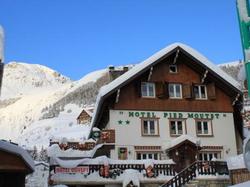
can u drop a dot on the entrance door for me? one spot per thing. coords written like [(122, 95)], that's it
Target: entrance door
[(183, 155)]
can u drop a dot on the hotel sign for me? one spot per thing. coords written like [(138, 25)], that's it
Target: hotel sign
[(178, 115), (80, 169)]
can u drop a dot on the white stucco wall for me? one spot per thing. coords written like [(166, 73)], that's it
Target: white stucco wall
[(129, 135)]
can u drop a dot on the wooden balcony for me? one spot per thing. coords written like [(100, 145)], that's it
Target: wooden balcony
[(111, 174), (86, 146), (107, 137)]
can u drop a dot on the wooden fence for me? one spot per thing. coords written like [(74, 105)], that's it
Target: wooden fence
[(239, 175)]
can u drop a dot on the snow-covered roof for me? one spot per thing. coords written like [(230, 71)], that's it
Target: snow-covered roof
[(181, 139), (106, 161), (15, 149), (55, 151), (120, 81), (88, 110)]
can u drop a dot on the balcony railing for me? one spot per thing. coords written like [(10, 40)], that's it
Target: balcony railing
[(198, 168), (109, 174)]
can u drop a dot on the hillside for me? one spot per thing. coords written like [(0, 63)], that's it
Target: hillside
[(38, 103)]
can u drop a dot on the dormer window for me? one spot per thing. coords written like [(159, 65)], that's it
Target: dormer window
[(147, 89), (173, 68)]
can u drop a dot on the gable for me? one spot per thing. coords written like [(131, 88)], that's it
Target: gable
[(197, 62)]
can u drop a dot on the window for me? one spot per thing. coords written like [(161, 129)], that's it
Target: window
[(150, 127), (204, 128), (147, 89), (200, 92), (147, 155), (176, 127), (175, 90), (172, 68), (208, 156)]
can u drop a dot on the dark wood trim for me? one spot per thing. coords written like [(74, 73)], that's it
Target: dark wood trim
[(147, 147), (212, 147)]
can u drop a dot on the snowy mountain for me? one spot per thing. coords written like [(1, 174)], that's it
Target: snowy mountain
[(234, 69), (22, 79), (38, 103)]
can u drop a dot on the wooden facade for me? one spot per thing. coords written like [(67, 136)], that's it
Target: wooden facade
[(188, 77), (85, 116), (239, 176), (14, 165), (184, 154)]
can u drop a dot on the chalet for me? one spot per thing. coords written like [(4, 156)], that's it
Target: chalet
[(85, 116), (15, 164), (175, 104)]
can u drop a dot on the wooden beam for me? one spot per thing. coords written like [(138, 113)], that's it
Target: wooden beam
[(150, 73), (176, 56), (236, 99), (204, 76), (117, 96)]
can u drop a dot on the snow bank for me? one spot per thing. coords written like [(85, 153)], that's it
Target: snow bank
[(131, 175), (105, 161), (236, 162), (55, 151), (246, 152), (244, 184)]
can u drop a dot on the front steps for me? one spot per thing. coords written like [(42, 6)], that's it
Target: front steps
[(208, 183)]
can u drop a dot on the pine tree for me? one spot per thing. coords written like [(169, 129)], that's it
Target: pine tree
[(43, 156), (34, 153)]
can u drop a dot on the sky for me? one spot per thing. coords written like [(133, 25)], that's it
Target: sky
[(75, 37)]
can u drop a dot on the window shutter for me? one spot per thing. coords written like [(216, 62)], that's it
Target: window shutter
[(187, 91), (138, 88), (166, 92), (160, 89), (211, 91)]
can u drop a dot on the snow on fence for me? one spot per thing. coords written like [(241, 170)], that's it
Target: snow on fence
[(92, 171)]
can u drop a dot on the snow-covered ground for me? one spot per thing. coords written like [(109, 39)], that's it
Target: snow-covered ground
[(40, 132), (39, 178)]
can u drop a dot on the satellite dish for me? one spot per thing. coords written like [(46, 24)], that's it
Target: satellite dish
[(246, 152)]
